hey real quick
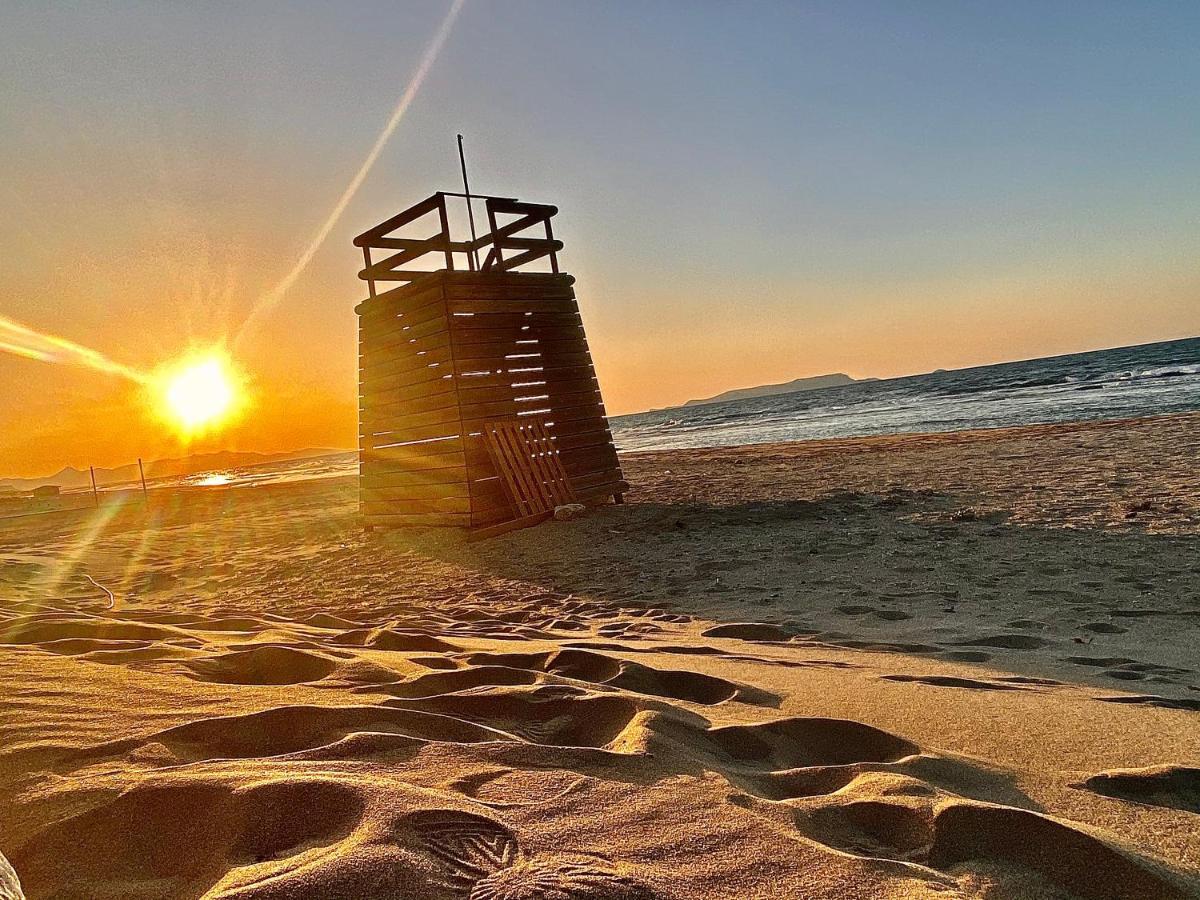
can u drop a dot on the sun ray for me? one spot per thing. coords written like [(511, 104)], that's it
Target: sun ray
[(268, 300)]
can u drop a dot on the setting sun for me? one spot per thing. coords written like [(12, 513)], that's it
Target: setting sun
[(200, 394)]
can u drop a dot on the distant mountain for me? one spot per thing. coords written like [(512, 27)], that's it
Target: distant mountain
[(71, 478), (816, 383)]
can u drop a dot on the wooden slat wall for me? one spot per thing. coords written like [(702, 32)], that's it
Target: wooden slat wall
[(443, 355), (412, 466), (520, 350)]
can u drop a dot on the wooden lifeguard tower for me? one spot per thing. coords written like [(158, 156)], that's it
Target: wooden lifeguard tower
[(478, 402)]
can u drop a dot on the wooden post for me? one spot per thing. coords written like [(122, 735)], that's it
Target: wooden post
[(95, 493), (142, 472), (445, 235), (473, 256)]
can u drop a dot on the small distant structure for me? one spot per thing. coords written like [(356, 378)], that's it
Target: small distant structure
[(46, 490), (478, 401)]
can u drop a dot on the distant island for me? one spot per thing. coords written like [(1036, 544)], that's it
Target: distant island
[(815, 383)]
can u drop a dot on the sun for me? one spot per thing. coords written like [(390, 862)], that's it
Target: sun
[(200, 393)]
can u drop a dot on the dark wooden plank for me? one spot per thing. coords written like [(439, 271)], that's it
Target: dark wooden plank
[(465, 337), (435, 346), (585, 460), (414, 212), (495, 288), (439, 432), (434, 386), (490, 321), (579, 426), (393, 329), (374, 422), (425, 402), (520, 361), (499, 409), (599, 437), (407, 493), (414, 507), (413, 458), (561, 415), (546, 306), (422, 369), (377, 477), (416, 301), (521, 384), (511, 352), (404, 334)]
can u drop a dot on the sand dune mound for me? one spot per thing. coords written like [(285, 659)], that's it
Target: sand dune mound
[(405, 640), (243, 624), (1067, 857), (1173, 786), (992, 850), (67, 627), (260, 665), (545, 715), (800, 742), (454, 680), (597, 668), (292, 729)]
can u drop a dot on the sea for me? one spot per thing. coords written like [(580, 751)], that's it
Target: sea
[(1146, 380), (1105, 384)]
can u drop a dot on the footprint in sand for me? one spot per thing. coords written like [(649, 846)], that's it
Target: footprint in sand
[(1016, 853), (1154, 700), (1175, 786), (1104, 628), (953, 682), (967, 655), (179, 835), (10, 884), (749, 631), (1006, 642), (482, 859)]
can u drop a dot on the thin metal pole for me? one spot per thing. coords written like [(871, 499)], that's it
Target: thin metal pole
[(462, 161), (142, 472), (95, 493)]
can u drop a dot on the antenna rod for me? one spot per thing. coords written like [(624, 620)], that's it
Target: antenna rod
[(462, 160)]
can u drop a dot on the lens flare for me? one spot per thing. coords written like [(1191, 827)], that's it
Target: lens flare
[(268, 300), (29, 343), (199, 394)]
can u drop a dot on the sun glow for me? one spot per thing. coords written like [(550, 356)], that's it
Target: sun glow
[(200, 393)]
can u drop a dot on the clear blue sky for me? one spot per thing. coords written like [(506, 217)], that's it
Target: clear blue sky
[(748, 192)]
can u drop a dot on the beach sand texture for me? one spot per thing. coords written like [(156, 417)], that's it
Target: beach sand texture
[(913, 666)]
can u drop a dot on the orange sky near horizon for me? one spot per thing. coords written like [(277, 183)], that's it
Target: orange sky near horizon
[(168, 166)]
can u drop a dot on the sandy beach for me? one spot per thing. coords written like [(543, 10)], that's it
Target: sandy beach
[(958, 665)]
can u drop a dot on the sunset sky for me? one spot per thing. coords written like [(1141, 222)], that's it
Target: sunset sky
[(748, 193)]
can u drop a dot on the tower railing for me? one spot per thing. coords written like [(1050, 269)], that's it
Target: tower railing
[(505, 237)]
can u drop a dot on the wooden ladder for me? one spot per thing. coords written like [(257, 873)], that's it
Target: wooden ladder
[(530, 469)]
